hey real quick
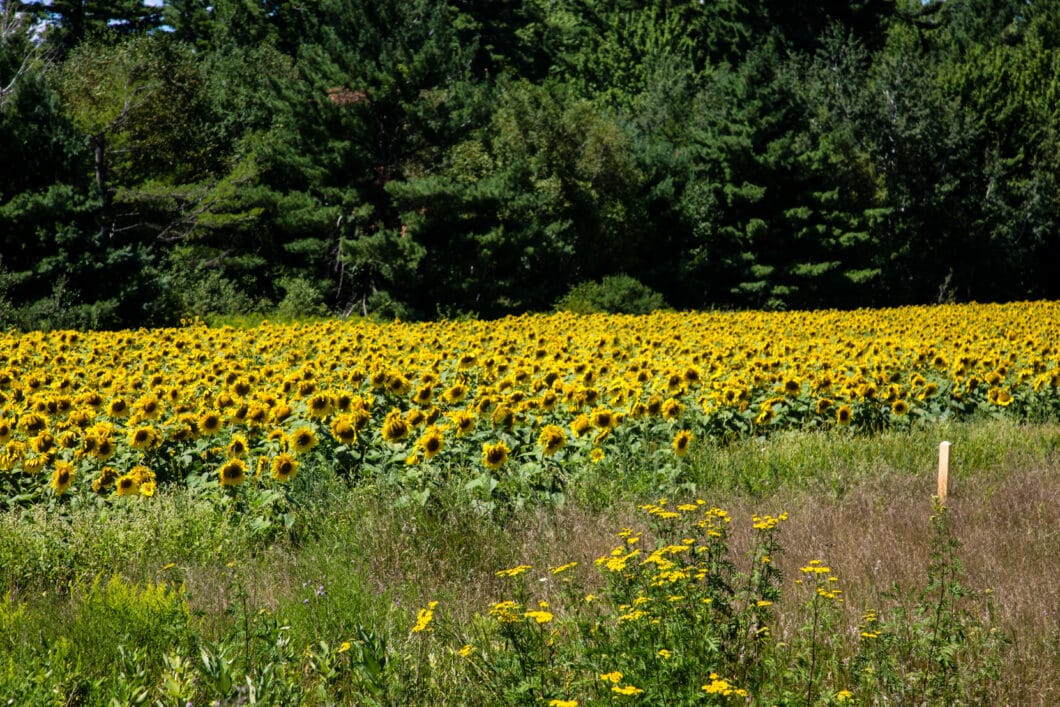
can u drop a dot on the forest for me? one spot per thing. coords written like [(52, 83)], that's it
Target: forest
[(429, 159)]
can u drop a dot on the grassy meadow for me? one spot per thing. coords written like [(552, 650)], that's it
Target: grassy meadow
[(556, 510)]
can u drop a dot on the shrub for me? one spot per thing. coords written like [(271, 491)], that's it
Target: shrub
[(615, 294)]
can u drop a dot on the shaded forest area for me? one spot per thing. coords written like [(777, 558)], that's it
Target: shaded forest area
[(426, 158)]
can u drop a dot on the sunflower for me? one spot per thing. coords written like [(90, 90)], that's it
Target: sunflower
[(343, 429), (899, 407), (395, 428), (302, 440), (209, 423), (671, 409), (257, 414), (495, 455), (284, 467), (319, 406), (581, 425), (141, 473), (43, 443), (398, 385), (127, 485), (423, 395), (237, 446), (681, 442), (464, 421), (6, 431), (602, 419), (233, 472), (552, 439), (415, 417), (149, 407), (844, 415), (503, 417), (32, 423), (105, 480), (144, 438), (431, 442), (280, 413), (104, 448), (455, 393), (118, 408), (63, 477), (823, 405)]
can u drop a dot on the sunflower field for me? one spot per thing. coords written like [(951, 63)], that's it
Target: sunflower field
[(510, 409), (674, 508)]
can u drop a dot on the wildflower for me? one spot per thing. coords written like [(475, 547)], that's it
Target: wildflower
[(596, 455), (626, 690), (843, 696), (466, 651), (514, 571), (614, 676), (564, 568), (664, 654), (541, 617), (720, 686), (506, 612), (423, 620), (563, 703)]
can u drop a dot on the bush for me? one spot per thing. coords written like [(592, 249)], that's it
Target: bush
[(615, 294)]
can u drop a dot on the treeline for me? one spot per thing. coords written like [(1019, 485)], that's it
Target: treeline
[(427, 158)]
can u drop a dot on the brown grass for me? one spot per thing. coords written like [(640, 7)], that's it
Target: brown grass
[(874, 537)]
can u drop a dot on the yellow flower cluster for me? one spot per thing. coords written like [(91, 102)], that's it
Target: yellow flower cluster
[(83, 409)]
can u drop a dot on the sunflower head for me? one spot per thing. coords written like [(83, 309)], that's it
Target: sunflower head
[(681, 442), (63, 477), (302, 440), (284, 467), (233, 472), (495, 455)]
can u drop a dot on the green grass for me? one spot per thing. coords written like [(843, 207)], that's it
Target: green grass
[(182, 597)]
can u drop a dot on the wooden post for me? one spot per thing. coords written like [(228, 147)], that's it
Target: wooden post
[(944, 470)]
